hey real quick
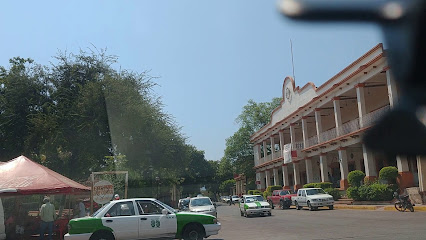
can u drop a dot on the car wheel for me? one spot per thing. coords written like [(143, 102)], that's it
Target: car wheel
[(193, 232), (269, 214), (282, 205), (297, 205), (102, 236), (331, 207), (310, 206)]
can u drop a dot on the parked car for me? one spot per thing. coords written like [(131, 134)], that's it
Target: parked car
[(202, 205), (138, 218), (224, 199), (183, 204), (235, 198), (254, 205), (312, 198), (281, 198)]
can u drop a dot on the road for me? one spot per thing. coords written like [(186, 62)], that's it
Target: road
[(322, 224)]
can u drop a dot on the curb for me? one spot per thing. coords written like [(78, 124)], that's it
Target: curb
[(375, 208)]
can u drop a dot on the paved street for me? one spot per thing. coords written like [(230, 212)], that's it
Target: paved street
[(322, 224)]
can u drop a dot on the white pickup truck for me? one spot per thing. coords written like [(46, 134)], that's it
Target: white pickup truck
[(312, 198)]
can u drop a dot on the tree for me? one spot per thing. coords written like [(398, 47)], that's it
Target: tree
[(239, 149)]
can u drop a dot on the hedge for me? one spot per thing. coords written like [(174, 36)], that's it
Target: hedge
[(335, 192), (355, 178), (372, 192), (254, 192), (389, 174), (270, 189), (323, 185)]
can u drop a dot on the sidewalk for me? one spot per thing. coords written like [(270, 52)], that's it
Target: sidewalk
[(417, 208)]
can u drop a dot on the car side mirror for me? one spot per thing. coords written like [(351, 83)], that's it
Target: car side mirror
[(164, 212)]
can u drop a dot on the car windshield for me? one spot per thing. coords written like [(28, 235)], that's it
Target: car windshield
[(314, 191), (196, 202), (254, 198), (99, 210), (167, 207), (285, 192)]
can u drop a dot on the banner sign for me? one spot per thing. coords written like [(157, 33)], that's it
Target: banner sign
[(287, 153), (103, 191)]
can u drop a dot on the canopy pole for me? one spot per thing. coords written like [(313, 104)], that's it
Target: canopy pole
[(126, 184)]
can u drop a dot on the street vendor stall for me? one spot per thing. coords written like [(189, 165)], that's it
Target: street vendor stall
[(21, 177)]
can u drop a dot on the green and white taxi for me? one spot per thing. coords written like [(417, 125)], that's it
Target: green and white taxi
[(254, 205), (141, 218)]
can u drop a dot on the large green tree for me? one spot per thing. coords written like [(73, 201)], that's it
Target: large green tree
[(239, 149)]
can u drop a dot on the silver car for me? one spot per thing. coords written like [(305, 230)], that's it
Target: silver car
[(202, 205)]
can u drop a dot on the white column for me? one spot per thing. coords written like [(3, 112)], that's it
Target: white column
[(275, 172), (324, 168), (262, 180), (305, 131), (361, 103), (402, 163), (318, 123), (272, 139), (392, 91), (337, 116), (265, 151), (369, 163), (292, 134), (257, 156), (285, 176), (309, 171), (281, 134), (421, 170), (343, 160), (268, 178), (296, 174)]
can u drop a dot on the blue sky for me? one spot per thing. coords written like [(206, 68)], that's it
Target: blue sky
[(211, 56)]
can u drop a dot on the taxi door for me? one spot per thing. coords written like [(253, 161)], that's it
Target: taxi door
[(123, 220), (154, 224)]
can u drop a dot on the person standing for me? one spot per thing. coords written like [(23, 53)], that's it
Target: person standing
[(230, 200), (47, 216), (81, 209)]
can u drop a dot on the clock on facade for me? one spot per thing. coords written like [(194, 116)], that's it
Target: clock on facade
[(288, 94)]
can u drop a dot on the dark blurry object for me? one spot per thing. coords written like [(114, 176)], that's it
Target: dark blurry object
[(401, 131)]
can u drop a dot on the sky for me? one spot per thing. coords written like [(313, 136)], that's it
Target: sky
[(210, 57)]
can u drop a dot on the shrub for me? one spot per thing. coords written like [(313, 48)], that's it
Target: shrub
[(334, 192), (363, 192), (270, 189), (353, 193), (323, 185), (389, 174), (355, 178), (376, 192), (254, 192)]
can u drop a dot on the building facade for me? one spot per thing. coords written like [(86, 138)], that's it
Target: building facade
[(315, 135)]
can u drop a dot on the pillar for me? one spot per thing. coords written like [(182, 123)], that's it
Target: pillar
[(296, 175), (361, 103), (262, 180), (281, 134), (369, 163), (309, 171), (405, 176), (275, 172), (324, 168), (421, 169), (272, 139), (285, 177), (392, 91), (265, 151), (268, 178), (343, 161), (337, 116), (305, 131), (318, 123), (257, 156), (292, 133)]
